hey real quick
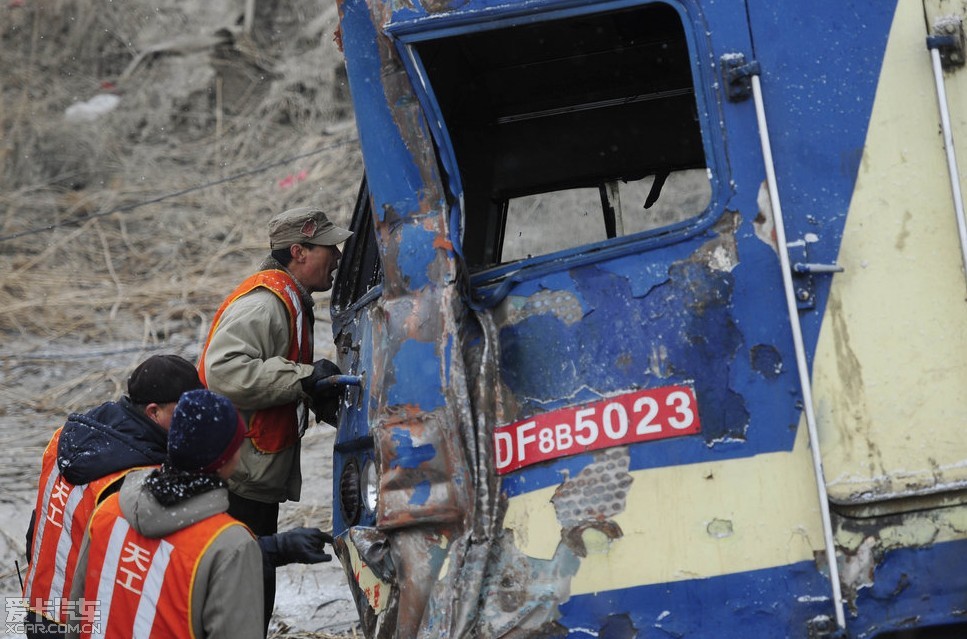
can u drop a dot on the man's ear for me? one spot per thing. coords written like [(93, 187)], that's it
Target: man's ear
[(297, 252), (152, 410)]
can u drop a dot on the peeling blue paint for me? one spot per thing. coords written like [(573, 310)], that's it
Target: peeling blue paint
[(408, 455), (553, 282), (421, 492), (448, 356), (543, 359), (418, 384), (933, 582), (751, 610), (644, 275), (414, 258), (766, 360)]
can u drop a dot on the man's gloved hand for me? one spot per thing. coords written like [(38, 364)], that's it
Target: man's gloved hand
[(296, 546), (324, 402)]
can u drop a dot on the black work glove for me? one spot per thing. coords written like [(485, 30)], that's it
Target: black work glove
[(324, 402), (296, 546)]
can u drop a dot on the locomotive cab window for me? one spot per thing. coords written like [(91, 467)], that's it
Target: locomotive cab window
[(570, 131), (360, 269)]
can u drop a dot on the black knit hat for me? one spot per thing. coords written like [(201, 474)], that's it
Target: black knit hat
[(206, 430), (161, 379)]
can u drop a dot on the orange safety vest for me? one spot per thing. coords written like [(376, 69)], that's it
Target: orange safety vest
[(142, 587), (275, 428), (61, 515)]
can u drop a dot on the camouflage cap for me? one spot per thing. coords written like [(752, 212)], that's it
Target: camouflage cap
[(304, 225)]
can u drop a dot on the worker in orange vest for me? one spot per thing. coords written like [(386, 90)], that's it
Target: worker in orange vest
[(259, 353), (162, 557), (86, 460)]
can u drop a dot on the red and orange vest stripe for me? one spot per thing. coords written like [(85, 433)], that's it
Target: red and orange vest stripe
[(144, 586), (276, 428), (62, 513)]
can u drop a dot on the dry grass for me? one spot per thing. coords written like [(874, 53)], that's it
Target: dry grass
[(118, 230)]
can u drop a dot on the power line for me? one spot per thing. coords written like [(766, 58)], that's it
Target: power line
[(124, 208), (94, 354)]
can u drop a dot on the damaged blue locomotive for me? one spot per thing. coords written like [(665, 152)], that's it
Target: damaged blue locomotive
[(658, 309)]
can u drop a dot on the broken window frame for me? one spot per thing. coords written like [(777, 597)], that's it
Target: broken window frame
[(361, 264), (492, 281)]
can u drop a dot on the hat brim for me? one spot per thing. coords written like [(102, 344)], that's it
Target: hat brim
[(331, 237)]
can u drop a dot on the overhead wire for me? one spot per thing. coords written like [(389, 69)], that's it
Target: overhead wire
[(33, 356), (124, 208)]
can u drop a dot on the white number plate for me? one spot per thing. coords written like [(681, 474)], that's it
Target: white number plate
[(654, 413)]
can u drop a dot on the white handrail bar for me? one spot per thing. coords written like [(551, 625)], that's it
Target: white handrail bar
[(948, 142), (801, 365)]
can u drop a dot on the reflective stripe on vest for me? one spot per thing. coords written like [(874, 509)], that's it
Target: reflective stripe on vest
[(143, 587), (62, 512), (273, 429)]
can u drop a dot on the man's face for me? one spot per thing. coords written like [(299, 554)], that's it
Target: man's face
[(315, 265)]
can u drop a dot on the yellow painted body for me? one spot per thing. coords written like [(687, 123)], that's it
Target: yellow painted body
[(891, 364), (692, 521)]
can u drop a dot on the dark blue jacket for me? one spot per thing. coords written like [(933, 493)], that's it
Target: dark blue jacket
[(114, 436)]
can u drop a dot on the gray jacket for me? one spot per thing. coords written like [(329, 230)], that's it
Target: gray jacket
[(246, 362), (226, 599)]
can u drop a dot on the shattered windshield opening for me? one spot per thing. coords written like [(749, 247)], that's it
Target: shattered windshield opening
[(571, 131)]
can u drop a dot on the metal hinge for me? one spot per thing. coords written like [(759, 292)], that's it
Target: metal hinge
[(948, 39), (803, 271), (737, 76), (825, 628)]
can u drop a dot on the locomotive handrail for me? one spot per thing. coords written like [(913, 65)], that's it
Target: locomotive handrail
[(935, 43), (809, 267), (800, 348)]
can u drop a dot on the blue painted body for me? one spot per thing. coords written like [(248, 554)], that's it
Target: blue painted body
[(712, 607), (724, 331)]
